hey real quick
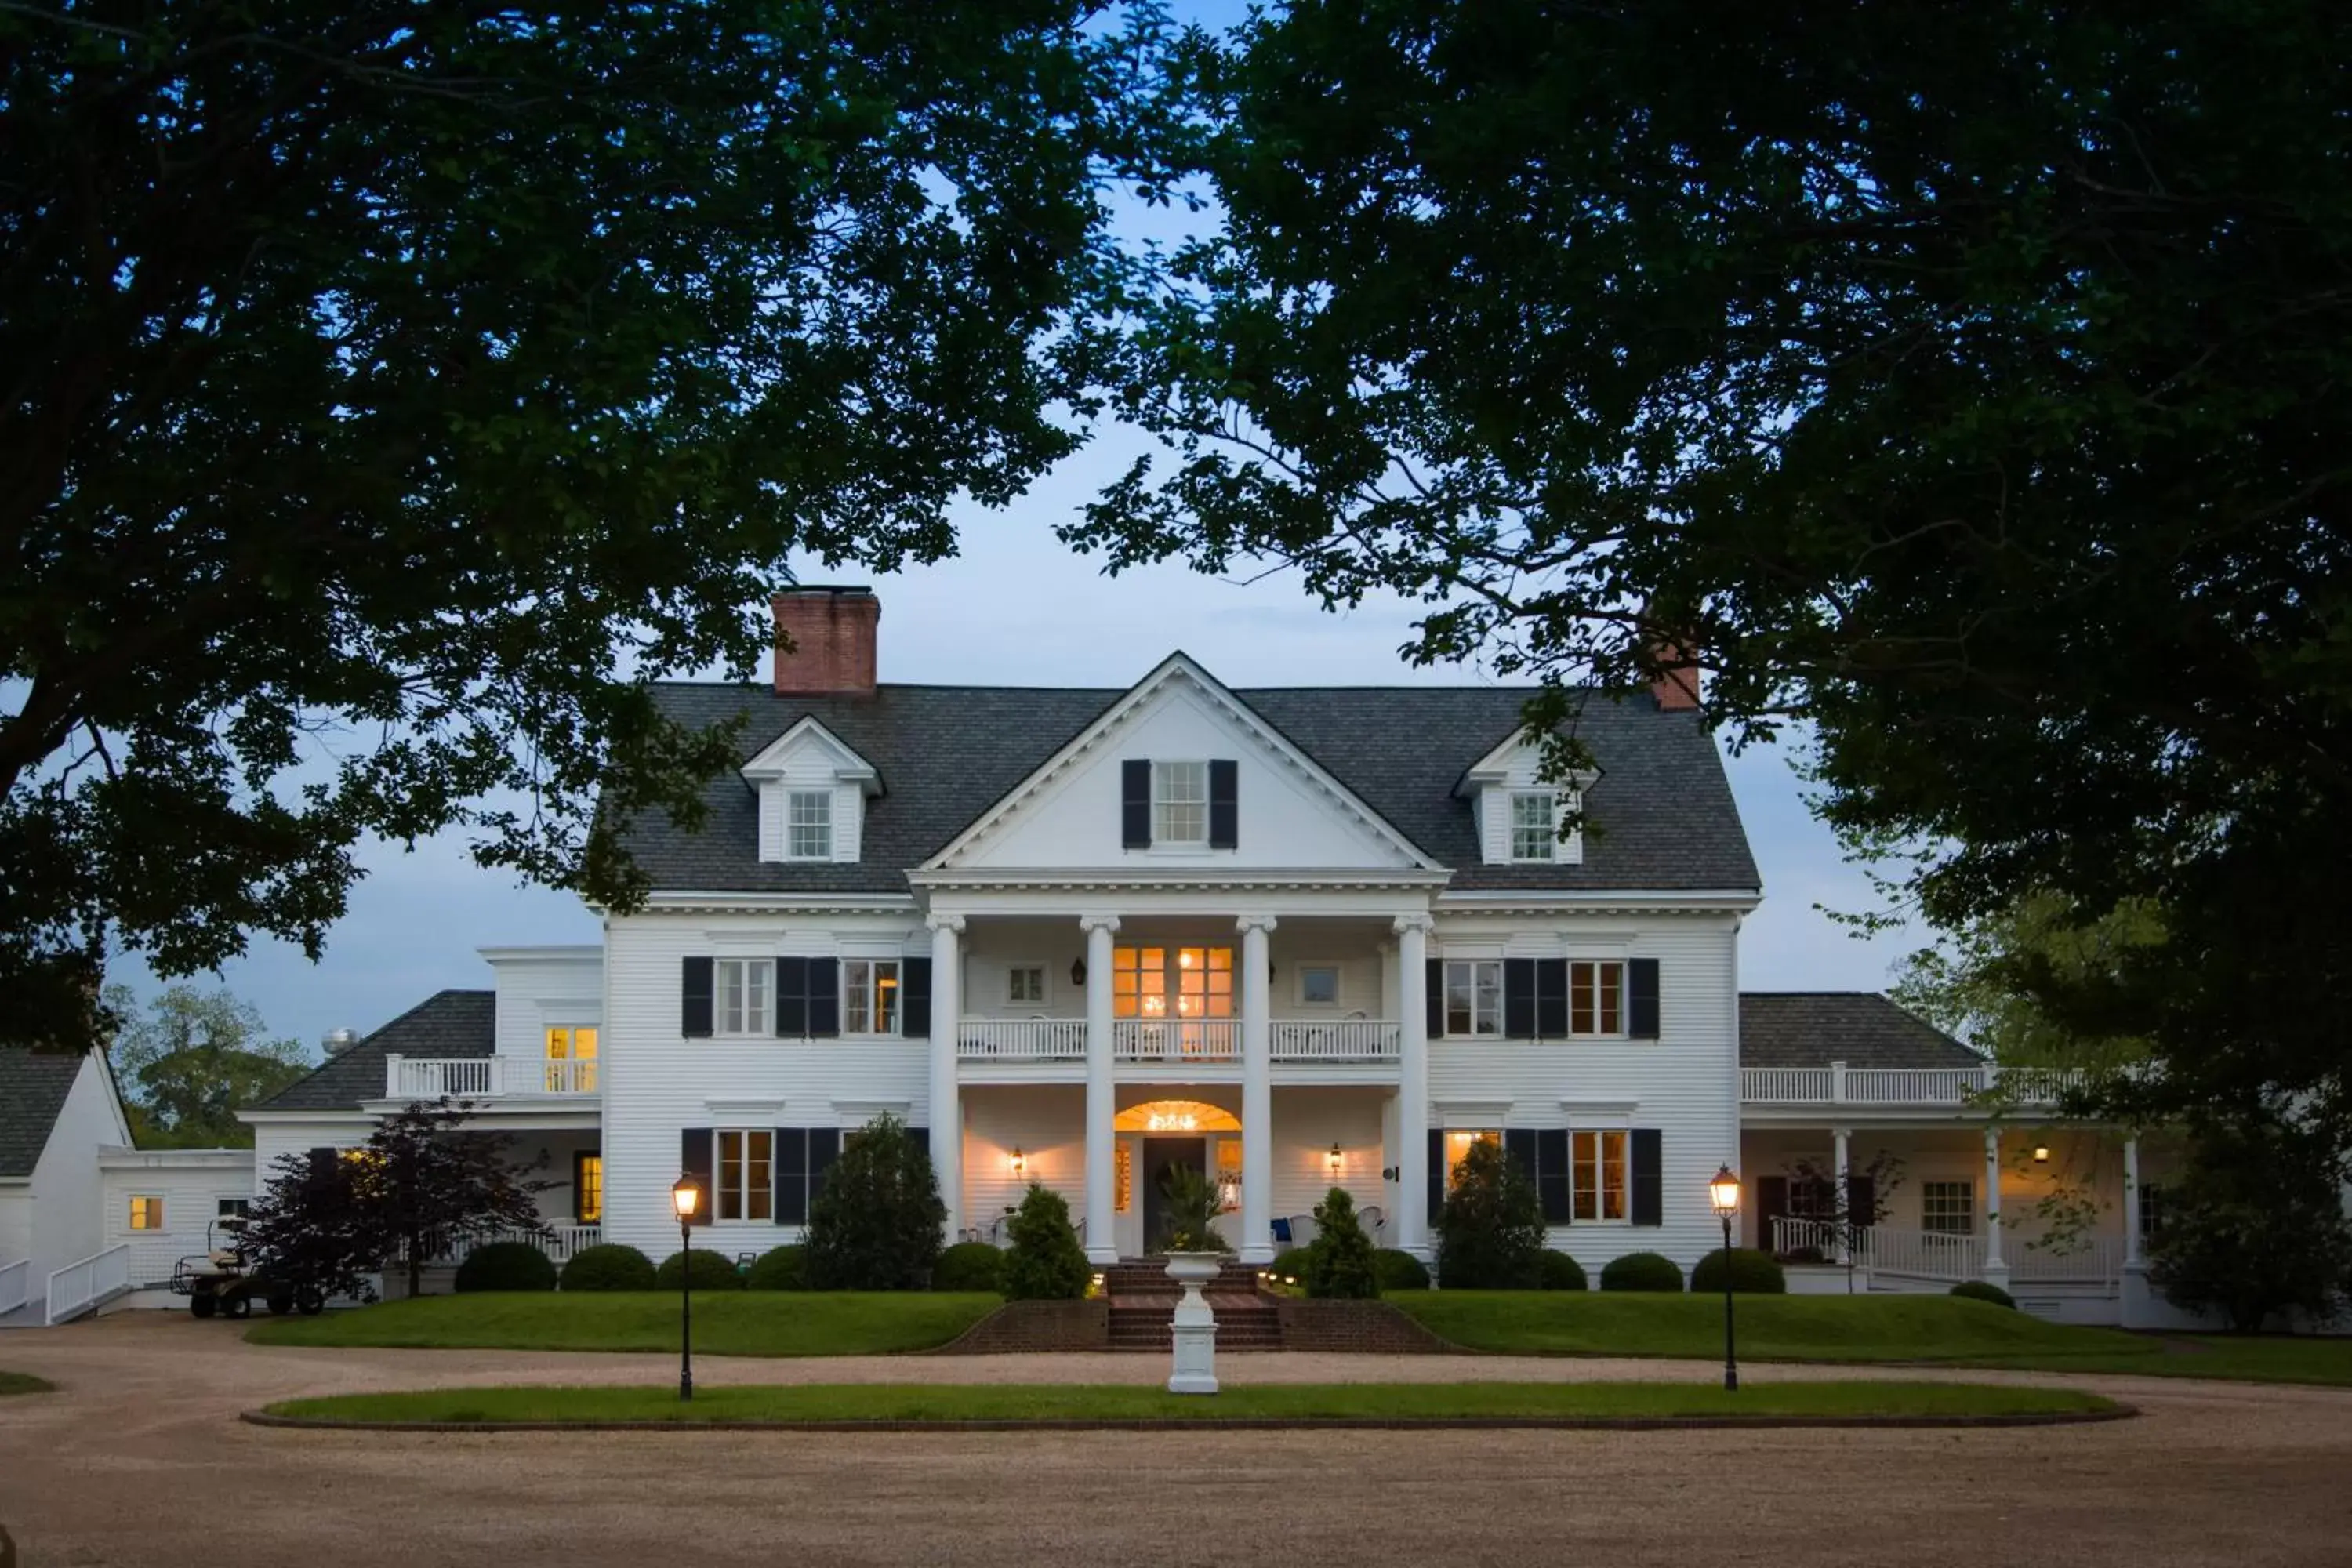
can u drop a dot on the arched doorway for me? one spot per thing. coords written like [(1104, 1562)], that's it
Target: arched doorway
[(1157, 1137)]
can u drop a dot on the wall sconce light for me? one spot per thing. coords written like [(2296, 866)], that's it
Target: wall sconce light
[(1389, 1174), (2041, 1153), (1078, 972), (1020, 1161), (1333, 1158)]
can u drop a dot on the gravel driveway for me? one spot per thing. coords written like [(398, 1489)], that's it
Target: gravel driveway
[(139, 1460)]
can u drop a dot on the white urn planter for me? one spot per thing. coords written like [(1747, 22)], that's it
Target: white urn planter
[(1194, 1327)]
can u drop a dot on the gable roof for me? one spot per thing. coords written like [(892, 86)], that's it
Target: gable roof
[(446, 1024), (1660, 815), (1860, 1029), (33, 1089)]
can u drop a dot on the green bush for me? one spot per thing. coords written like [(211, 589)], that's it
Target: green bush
[(1558, 1271), (1399, 1270), (1651, 1271), (968, 1265), (1753, 1273), (712, 1271), (778, 1269), (1977, 1291), (1046, 1262), (506, 1266), (876, 1223), (1340, 1264), (609, 1267), (1490, 1234), (2257, 1227)]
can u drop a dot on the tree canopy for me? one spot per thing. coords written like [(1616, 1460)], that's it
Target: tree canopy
[(190, 1061)]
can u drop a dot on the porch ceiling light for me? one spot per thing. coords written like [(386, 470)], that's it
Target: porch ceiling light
[(1724, 1192), (2041, 1153), (1334, 1158), (686, 1198)]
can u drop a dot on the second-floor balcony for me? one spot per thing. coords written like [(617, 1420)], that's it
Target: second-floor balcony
[(1959, 1088), (1179, 1042), (486, 1078)]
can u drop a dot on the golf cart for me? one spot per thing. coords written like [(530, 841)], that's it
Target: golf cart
[(219, 1280)]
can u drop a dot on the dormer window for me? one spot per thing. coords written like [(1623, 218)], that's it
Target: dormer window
[(809, 826), (1535, 824), (1180, 803)]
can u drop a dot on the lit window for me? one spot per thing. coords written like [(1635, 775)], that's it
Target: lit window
[(1473, 997), (1229, 1174), (1180, 803), (869, 989), (744, 996), (1204, 982), (571, 1061), (745, 1189), (146, 1213), (1122, 1184), (808, 825), (1138, 982), (1949, 1208), (1025, 983), (1318, 984), (1457, 1149), (1535, 824), (1595, 998), (1597, 1175), (588, 1188)]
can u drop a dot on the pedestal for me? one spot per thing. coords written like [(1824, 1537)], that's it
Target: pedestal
[(1195, 1327)]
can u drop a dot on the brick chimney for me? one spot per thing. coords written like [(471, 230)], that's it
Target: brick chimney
[(824, 641), (1674, 679)]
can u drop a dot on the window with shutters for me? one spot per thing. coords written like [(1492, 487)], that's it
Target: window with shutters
[(1596, 997), (1949, 1208), (746, 1174), (1474, 997), (808, 824), (745, 999), (1535, 824), (1597, 1166), (1458, 1145), (1180, 803), (869, 996)]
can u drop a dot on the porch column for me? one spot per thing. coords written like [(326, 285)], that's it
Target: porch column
[(2133, 1260), (1257, 1093), (1996, 1268), (1102, 1096), (946, 1104), (1844, 1136), (1412, 1083)]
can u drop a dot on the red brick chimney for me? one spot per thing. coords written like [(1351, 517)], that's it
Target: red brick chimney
[(824, 641), (1674, 678)]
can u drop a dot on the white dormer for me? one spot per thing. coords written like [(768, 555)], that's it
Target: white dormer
[(1518, 812), (812, 794)]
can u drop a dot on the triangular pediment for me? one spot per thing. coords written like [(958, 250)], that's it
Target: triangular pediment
[(810, 750)]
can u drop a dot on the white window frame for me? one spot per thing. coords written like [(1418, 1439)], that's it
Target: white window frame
[(1526, 846), (1013, 988), (1612, 1149), (1477, 981), (1173, 807), (1333, 969), (2155, 1198), (1467, 1137), (863, 999), (1594, 1016), (232, 1208), (810, 836), (131, 1213), (749, 1202), (744, 997), (1929, 1212)]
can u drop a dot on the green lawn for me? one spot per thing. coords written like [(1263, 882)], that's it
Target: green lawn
[(1012, 1402), (726, 1323), (22, 1383), (2249, 1359)]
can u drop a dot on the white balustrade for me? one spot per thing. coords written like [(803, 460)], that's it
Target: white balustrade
[(16, 1285), (1913, 1086), (1922, 1254), (481, 1078), (557, 1241), (1784, 1086), (1176, 1041), (79, 1286), (1335, 1040), (1838, 1084), (1022, 1040)]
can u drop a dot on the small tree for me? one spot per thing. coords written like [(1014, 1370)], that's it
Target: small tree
[(1046, 1262), (1490, 1234), (1847, 1208), (1339, 1262), (2258, 1228), (311, 1225), (875, 1224), (1189, 1222)]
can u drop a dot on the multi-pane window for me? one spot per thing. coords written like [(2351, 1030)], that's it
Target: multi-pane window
[(588, 1188), (1204, 982), (1949, 1208), (1025, 983), (1122, 1183), (1318, 984), (1535, 824), (1180, 803), (745, 995), (2153, 1202), (1138, 982), (869, 996), (1596, 994), (1458, 1146), (808, 824), (1473, 997), (746, 1181), (571, 1061), (1597, 1175), (1229, 1175), (146, 1213)]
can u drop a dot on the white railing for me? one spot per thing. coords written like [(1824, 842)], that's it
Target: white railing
[(1792, 1237), (557, 1241), (1938, 1254), (2092, 1259), (1176, 1041), (78, 1287), (1838, 1084), (1922, 1254), (1784, 1086), (1022, 1040), (16, 1285), (1335, 1040), (478, 1078)]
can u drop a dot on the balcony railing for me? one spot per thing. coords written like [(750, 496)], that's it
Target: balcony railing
[(482, 1077), (1186, 1040), (1838, 1084), (1954, 1256), (1176, 1041), (1022, 1040), (1335, 1040)]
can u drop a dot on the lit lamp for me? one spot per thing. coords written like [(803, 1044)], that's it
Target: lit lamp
[(685, 1201), (2041, 1153), (1020, 1161), (1333, 1158), (1724, 1194)]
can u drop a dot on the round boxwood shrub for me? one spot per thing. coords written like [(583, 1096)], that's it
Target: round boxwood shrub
[(506, 1266), (1399, 1270), (1561, 1272), (1753, 1273), (968, 1265), (779, 1268), (609, 1265), (711, 1271), (1977, 1291), (1652, 1271)]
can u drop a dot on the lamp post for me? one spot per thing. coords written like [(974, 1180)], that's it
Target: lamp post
[(686, 1198), (1724, 1192)]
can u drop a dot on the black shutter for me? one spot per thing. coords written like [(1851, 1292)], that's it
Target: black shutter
[(824, 998), (1224, 806), (322, 1162), (1551, 1175), (1551, 999), (1649, 1185), (694, 1000), (694, 1159), (1518, 998), (1642, 1003), (824, 1148), (1437, 1174), (1520, 1149), (791, 999), (915, 998), (792, 1176), (1135, 803), (1861, 1199), (1771, 1202), (1433, 983)]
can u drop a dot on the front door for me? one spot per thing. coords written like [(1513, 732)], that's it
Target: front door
[(1159, 1155)]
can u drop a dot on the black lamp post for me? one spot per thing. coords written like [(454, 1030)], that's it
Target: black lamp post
[(1724, 1192), (686, 1198)]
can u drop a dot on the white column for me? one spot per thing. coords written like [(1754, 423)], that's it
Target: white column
[(1102, 1096), (1844, 1136), (1996, 1268), (1412, 1083), (947, 1102), (2133, 1260), (1257, 1093)]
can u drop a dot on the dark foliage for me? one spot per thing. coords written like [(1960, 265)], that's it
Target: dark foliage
[(710, 1271), (608, 1266), (1643, 1271), (1752, 1273), (1977, 1291), (1490, 1234), (876, 1226), (1046, 1262), (1558, 1271), (2257, 1229), (968, 1265), (1399, 1270), (1339, 1263), (506, 1266), (778, 1269)]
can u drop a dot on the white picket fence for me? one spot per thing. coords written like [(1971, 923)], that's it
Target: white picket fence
[(16, 1285), (79, 1286)]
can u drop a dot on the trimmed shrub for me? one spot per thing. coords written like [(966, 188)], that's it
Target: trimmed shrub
[(1490, 1234), (506, 1266), (1652, 1271), (1753, 1273), (876, 1224), (778, 1269), (1398, 1270), (1558, 1271), (609, 1267), (1977, 1291), (968, 1265), (1046, 1262), (1339, 1262), (712, 1271)]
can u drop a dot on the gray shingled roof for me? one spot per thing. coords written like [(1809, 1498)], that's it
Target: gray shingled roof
[(1860, 1029), (1663, 808), (33, 1089), (446, 1024)]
